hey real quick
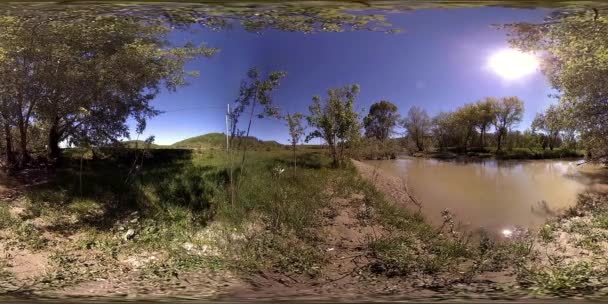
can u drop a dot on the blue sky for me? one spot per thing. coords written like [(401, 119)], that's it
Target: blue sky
[(439, 63)]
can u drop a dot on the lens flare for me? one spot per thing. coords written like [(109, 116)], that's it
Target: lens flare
[(512, 64)]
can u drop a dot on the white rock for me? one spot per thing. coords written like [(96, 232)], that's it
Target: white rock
[(188, 246), (129, 234)]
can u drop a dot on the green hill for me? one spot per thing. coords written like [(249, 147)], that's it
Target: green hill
[(139, 144), (218, 141)]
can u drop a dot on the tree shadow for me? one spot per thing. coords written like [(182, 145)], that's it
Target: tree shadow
[(308, 160), (118, 184)]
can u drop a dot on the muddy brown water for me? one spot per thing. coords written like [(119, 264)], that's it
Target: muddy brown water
[(496, 195)]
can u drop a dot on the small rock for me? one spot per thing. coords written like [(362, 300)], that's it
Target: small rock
[(129, 235), (133, 221), (330, 249)]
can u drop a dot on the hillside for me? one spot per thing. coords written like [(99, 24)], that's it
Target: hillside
[(218, 140), (139, 144)]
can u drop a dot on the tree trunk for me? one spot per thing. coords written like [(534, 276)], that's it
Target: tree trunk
[(10, 155), (334, 154), (499, 140), (25, 157), (54, 153), (340, 153), (247, 137), (294, 160), (419, 144), (483, 138)]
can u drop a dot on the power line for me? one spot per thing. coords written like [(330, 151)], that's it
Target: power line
[(195, 108)]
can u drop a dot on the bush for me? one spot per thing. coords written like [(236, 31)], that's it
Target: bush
[(195, 188)]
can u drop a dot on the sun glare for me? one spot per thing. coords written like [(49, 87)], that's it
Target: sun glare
[(512, 64)]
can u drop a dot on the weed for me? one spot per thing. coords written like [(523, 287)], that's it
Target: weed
[(601, 220), (29, 235), (7, 220), (281, 251), (563, 278), (547, 233)]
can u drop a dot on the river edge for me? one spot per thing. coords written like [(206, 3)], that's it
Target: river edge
[(521, 155), (567, 255)]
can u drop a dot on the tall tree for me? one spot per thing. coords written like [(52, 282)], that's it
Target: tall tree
[(573, 49), (443, 129), (381, 120), (296, 131), (418, 125), (85, 78), (335, 119), (255, 96), (486, 114), (509, 112), (6, 125), (466, 120), (551, 123)]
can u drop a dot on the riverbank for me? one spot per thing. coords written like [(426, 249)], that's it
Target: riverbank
[(566, 257), (507, 154)]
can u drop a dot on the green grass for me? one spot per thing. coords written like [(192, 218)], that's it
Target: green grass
[(7, 220), (178, 193), (563, 278)]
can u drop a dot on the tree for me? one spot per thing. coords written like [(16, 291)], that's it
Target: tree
[(381, 120), (284, 16), (335, 119), (465, 122), (6, 122), (418, 125), (443, 129), (84, 78), (509, 112), (255, 91), (550, 123), (296, 131), (574, 51), (486, 114)]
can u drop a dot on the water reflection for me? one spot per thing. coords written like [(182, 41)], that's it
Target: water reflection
[(496, 194)]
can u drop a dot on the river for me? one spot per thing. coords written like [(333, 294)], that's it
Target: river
[(496, 195)]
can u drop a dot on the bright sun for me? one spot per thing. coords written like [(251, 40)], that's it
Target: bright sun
[(512, 64)]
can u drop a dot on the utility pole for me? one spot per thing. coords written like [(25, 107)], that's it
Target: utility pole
[(227, 127)]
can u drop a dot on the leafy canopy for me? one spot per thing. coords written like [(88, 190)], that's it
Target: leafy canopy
[(381, 120)]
